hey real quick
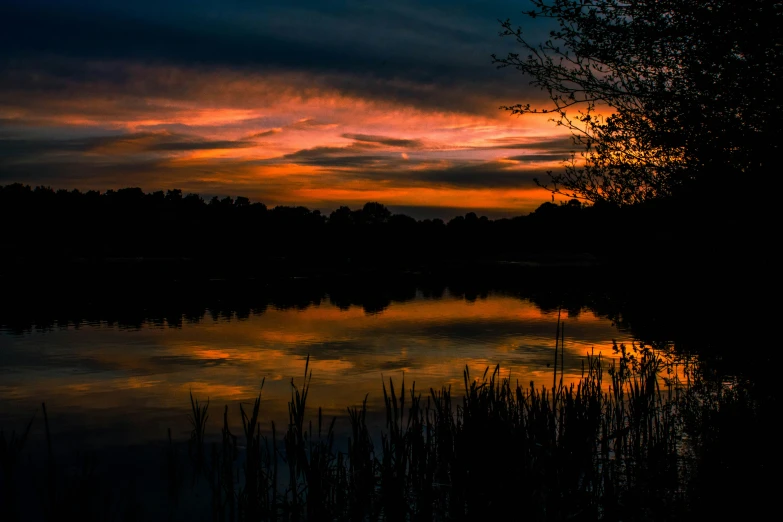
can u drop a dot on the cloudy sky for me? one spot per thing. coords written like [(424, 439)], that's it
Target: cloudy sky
[(297, 102)]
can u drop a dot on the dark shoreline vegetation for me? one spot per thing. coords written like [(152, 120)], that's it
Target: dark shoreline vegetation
[(630, 441), (230, 237), (128, 223), (109, 251)]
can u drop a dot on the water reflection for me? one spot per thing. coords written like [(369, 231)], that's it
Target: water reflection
[(102, 381)]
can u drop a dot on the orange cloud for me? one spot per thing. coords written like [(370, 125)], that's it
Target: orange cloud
[(286, 138)]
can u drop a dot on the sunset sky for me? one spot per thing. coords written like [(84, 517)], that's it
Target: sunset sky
[(319, 103)]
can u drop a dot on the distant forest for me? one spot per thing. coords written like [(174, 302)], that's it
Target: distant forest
[(128, 256), (42, 225)]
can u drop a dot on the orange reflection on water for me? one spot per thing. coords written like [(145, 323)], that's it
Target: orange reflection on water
[(148, 373)]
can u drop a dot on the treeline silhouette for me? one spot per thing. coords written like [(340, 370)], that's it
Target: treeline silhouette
[(131, 223), (229, 236)]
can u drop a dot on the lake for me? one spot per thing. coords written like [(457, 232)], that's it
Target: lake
[(110, 382)]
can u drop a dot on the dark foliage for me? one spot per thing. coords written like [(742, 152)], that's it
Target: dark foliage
[(688, 90)]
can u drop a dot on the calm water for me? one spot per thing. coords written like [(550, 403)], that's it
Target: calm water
[(108, 384)]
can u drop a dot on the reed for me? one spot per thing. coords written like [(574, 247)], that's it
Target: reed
[(198, 420), (613, 446), (11, 448), (583, 451)]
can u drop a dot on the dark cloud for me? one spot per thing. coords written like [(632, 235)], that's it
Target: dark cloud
[(11, 149), (200, 145), (476, 174), (309, 123), (519, 142), (139, 159), (384, 140), (533, 158), (276, 125), (367, 163), (432, 54), (264, 134), (17, 149), (77, 173), (353, 155), (345, 162)]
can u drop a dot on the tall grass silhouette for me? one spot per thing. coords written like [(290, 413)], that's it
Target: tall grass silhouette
[(589, 450), (626, 441)]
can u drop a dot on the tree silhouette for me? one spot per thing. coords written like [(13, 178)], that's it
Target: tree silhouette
[(47, 228), (667, 97), (374, 213)]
